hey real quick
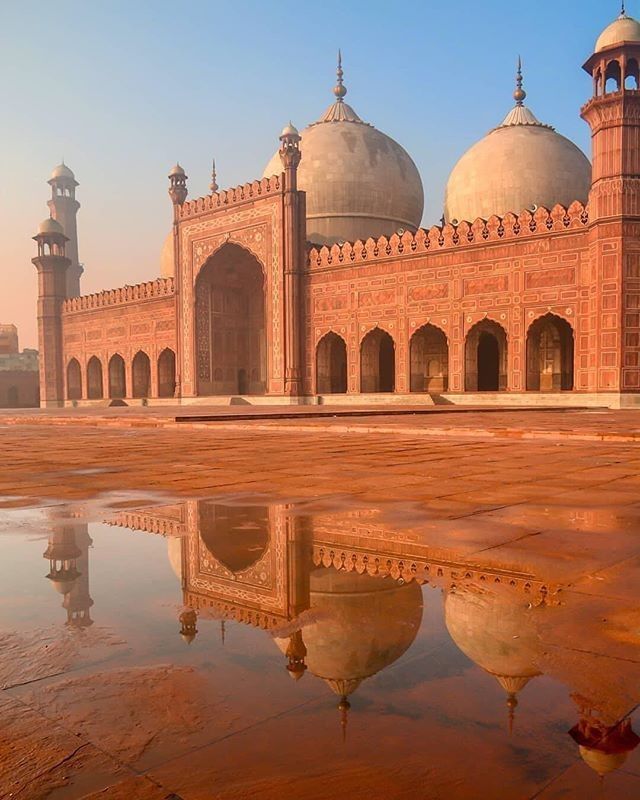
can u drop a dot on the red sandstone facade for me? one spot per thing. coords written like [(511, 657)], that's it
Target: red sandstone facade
[(544, 302)]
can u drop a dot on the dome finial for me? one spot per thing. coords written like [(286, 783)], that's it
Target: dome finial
[(343, 706), (340, 89), (214, 184), (519, 95), (623, 12)]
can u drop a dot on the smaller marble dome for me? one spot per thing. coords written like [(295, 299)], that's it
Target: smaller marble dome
[(177, 170), (623, 29), (359, 182), (50, 225), (521, 164), (62, 171)]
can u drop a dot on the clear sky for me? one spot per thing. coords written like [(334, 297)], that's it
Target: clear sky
[(123, 89)]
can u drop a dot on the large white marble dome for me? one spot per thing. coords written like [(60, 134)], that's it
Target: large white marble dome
[(359, 182), (521, 164)]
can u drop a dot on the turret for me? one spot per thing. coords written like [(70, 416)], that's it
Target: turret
[(613, 114), (52, 265), (177, 185), (63, 207)]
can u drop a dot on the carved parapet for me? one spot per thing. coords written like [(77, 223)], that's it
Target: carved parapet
[(228, 197), (146, 522), (161, 287), (220, 609), (446, 575), (450, 237)]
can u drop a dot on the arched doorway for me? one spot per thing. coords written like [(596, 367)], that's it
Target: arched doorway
[(141, 374), (74, 380), (486, 357), (429, 359), (95, 390), (331, 365), (377, 362), (230, 324), (117, 378), (167, 373), (550, 355), (13, 397)]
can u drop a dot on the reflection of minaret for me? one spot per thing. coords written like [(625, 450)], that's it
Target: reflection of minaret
[(63, 207), (62, 553), (68, 555), (78, 601)]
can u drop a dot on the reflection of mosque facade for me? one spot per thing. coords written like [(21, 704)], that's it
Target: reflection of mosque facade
[(341, 597), (316, 280)]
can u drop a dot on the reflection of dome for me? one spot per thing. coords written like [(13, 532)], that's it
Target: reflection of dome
[(519, 165), (236, 536), (167, 262), (623, 29), (174, 550), (497, 633), (359, 182), (362, 624), (63, 579), (602, 763)]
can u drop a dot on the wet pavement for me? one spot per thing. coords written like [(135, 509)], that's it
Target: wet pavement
[(218, 614)]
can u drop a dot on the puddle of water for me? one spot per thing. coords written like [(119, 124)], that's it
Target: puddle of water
[(257, 646)]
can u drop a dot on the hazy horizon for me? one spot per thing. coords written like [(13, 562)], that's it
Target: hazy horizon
[(124, 91)]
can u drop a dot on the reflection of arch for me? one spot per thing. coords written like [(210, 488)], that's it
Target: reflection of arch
[(331, 365), (141, 374), (94, 379), (377, 362), (230, 324), (236, 536), (429, 359), (167, 373), (74, 380), (486, 357), (117, 379), (550, 355), (12, 397)]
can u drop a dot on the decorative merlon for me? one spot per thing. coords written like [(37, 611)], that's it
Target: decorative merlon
[(449, 236), (228, 197), (160, 287)]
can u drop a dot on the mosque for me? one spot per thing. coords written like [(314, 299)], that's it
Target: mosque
[(316, 283)]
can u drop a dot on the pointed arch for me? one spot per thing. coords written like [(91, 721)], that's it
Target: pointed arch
[(141, 374), (550, 354), (74, 380), (167, 373), (117, 377), (230, 324), (486, 357), (331, 364), (95, 390), (429, 360), (377, 362)]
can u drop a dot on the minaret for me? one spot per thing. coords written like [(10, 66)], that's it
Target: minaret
[(63, 207), (52, 264), (613, 114), (294, 237), (178, 193)]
